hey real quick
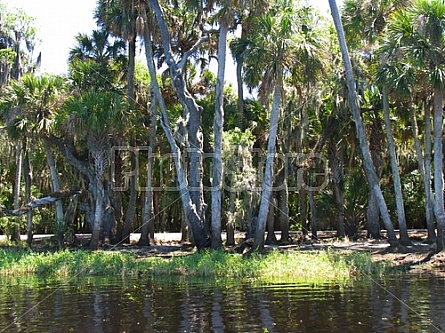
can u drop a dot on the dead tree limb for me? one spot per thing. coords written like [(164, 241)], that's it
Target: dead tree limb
[(53, 197)]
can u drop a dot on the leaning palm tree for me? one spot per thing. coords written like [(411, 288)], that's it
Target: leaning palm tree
[(368, 19), (370, 171)]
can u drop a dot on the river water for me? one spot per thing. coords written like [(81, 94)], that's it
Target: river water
[(87, 304)]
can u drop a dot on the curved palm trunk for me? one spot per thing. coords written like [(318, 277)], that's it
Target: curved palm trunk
[(438, 168), (218, 134), (268, 172), (370, 171), (404, 238), (56, 188)]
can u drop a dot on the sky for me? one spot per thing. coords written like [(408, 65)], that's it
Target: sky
[(59, 21)]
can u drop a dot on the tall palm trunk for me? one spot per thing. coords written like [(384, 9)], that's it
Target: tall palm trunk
[(404, 238), (425, 172), (230, 225), (15, 236), (148, 213), (98, 212), (240, 90), (370, 171), (268, 172), (271, 238), (438, 168), (218, 134), (131, 207), (284, 212), (336, 160), (56, 187), (27, 176)]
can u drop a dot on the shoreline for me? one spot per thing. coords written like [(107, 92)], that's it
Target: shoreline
[(418, 258)]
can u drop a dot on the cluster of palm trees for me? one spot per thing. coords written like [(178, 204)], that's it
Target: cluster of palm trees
[(346, 92)]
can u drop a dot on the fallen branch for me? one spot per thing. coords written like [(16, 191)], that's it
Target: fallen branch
[(53, 197)]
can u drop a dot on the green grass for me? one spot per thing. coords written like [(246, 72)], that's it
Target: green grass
[(67, 263), (315, 266)]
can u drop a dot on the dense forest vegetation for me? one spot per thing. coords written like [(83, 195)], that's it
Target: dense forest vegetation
[(335, 122)]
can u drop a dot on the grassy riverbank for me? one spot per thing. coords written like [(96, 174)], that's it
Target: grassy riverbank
[(320, 265)]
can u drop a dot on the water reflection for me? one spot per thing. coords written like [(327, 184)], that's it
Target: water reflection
[(401, 304)]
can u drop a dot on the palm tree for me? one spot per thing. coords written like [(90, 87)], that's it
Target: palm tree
[(92, 117), (224, 22), (247, 13), (370, 171), (120, 17), (369, 19), (278, 43), (428, 18), (33, 101), (402, 76), (417, 34)]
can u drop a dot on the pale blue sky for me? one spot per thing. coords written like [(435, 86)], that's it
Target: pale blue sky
[(59, 21)]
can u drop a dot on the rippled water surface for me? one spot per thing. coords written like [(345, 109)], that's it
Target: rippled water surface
[(402, 304)]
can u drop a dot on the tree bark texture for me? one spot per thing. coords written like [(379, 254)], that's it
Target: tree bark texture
[(370, 171)]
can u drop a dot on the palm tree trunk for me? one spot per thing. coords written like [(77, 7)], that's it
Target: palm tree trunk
[(335, 159), (268, 172), (313, 215), (240, 89), (218, 134), (372, 217), (302, 206), (271, 238), (131, 68), (438, 168), (426, 177), (131, 207), (27, 176), (98, 212), (147, 218), (56, 188), (370, 171), (230, 226), (15, 236), (284, 212), (404, 238)]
